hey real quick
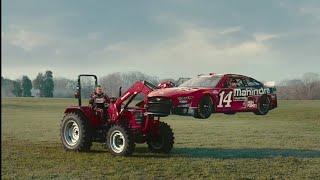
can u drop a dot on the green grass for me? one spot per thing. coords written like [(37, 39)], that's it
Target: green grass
[(285, 144)]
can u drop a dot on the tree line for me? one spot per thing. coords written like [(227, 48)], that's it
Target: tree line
[(305, 88), (42, 85), (45, 85)]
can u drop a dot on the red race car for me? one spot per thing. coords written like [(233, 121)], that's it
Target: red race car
[(215, 93)]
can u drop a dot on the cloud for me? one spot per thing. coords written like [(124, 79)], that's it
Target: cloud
[(195, 41), (193, 50), (25, 39), (94, 35), (313, 11), (265, 37), (231, 30)]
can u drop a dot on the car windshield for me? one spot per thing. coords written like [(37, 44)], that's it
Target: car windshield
[(202, 81)]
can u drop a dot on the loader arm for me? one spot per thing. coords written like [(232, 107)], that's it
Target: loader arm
[(142, 87)]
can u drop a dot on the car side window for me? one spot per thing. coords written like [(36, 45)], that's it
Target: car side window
[(253, 83), (235, 83), (239, 83)]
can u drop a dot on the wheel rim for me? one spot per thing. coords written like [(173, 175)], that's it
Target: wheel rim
[(117, 141), (71, 133), (264, 106), (205, 108)]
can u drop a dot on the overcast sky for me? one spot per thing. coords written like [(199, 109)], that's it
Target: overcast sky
[(269, 40)]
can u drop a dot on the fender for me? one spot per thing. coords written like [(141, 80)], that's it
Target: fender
[(85, 112)]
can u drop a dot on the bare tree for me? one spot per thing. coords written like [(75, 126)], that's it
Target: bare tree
[(308, 87), (311, 83), (113, 81), (63, 87)]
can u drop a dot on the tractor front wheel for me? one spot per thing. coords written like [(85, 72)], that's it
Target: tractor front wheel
[(120, 141), (75, 133), (163, 142)]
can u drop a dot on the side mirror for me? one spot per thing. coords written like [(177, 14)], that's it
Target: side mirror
[(77, 93)]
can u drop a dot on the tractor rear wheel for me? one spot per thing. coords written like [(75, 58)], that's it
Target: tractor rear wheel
[(75, 133), (263, 106), (162, 143), (120, 141), (205, 108)]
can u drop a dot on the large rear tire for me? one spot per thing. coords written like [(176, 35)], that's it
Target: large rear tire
[(205, 108), (75, 133), (120, 141), (263, 105), (163, 143)]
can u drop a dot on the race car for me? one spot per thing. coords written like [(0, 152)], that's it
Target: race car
[(218, 93)]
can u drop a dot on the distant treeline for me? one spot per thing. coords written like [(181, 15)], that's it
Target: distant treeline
[(306, 87), (45, 85)]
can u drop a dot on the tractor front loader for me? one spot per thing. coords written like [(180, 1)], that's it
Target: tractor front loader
[(124, 127)]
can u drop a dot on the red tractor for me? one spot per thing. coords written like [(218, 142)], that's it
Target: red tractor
[(124, 125)]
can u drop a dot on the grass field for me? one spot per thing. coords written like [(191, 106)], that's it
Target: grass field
[(285, 144)]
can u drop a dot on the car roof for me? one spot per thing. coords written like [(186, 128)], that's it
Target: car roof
[(223, 75)]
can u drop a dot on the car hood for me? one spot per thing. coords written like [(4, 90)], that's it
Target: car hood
[(170, 92)]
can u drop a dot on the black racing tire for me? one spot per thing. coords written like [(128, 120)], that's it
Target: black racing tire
[(120, 141), (205, 108), (263, 106), (164, 142), (75, 133)]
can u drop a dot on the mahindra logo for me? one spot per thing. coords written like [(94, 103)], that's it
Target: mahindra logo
[(250, 92)]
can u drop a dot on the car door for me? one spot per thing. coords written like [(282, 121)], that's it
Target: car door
[(253, 86), (239, 98), (227, 101)]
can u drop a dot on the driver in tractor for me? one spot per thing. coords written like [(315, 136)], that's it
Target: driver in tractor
[(99, 102)]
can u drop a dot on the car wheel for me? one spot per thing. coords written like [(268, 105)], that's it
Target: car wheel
[(205, 108), (263, 106)]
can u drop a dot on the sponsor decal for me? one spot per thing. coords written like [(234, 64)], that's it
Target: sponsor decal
[(184, 99), (99, 100), (251, 104), (240, 98), (250, 92)]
